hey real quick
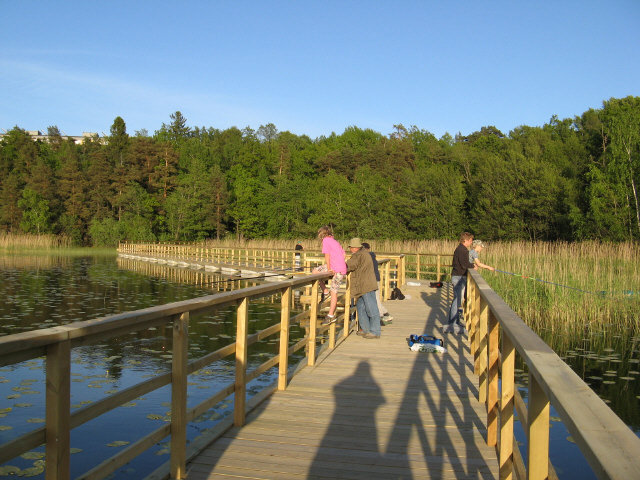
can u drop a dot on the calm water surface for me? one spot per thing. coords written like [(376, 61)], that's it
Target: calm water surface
[(43, 291)]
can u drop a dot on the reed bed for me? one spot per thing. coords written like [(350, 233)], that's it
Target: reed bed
[(10, 241), (592, 286), (387, 246)]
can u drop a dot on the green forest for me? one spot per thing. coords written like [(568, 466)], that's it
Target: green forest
[(570, 180)]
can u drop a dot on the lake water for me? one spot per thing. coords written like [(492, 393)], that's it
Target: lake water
[(44, 291)]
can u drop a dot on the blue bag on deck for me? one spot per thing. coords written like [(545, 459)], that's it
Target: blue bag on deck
[(425, 339)]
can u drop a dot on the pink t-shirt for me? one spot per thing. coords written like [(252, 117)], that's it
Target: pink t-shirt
[(336, 254)]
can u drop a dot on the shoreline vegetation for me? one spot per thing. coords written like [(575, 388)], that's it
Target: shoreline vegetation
[(572, 179), (586, 286)]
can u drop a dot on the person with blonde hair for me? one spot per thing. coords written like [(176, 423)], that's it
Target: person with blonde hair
[(334, 256)]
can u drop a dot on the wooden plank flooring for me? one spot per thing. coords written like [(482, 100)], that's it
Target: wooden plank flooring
[(371, 409)]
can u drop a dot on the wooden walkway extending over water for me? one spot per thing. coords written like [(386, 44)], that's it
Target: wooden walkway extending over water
[(369, 409)]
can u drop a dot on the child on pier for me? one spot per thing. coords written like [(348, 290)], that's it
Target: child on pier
[(335, 263), (476, 248)]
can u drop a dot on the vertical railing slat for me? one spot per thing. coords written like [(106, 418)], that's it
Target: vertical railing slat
[(482, 351), (57, 411), (240, 396), (313, 322), (493, 368), (538, 441), (347, 302), (285, 305), (179, 379), (506, 408)]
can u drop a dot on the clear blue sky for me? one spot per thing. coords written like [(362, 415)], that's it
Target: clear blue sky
[(313, 67)]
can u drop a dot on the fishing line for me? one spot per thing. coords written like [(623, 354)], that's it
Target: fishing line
[(273, 273), (601, 294)]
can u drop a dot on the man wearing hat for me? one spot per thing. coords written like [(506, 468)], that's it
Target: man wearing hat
[(363, 287)]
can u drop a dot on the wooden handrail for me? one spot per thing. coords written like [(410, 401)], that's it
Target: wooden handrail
[(277, 259), (608, 445), (56, 344)]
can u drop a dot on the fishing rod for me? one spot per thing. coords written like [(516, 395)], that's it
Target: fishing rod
[(601, 294), (272, 273)]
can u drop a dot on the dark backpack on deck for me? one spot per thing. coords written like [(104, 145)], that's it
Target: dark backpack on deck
[(396, 294)]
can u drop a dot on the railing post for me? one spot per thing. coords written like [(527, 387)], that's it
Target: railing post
[(438, 274), (57, 411), (492, 395), (313, 323), (469, 309), (417, 266), (285, 305), (386, 282), (241, 363), (347, 303), (538, 439), (179, 378), (475, 327), (481, 361), (506, 408)]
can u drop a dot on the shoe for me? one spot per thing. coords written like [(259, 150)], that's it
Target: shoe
[(387, 318), (370, 335), (461, 330), (361, 333), (329, 319), (448, 329)]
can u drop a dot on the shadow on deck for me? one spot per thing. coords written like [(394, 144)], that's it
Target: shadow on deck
[(370, 409)]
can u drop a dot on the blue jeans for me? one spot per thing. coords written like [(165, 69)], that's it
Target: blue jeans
[(459, 284), (368, 313)]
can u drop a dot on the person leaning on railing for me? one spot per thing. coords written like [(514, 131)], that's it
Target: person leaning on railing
[(363, 287), (334, 263), (476, 248)]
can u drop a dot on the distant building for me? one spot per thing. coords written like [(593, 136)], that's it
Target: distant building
[(43, 137)]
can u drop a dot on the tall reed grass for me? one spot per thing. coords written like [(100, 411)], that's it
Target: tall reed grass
[(593, 286), (11, 241), (387, 246)]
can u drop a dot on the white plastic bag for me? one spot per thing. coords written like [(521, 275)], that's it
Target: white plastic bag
[(428, 347)]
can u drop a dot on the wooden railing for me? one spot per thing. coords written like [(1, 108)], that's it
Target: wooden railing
[(429, 266), (392, 266), (57, 343), (609, 446)]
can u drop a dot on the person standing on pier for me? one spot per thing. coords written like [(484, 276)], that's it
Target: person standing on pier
[(385, 317), (460, 265), (363, 287), (334, 256)]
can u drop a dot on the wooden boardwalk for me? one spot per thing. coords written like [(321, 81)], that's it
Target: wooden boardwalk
[(370, 409)]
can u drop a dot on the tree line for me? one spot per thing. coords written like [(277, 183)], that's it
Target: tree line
[(571, 179)]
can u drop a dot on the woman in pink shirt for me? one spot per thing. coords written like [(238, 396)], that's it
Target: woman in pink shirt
[(334, 256)]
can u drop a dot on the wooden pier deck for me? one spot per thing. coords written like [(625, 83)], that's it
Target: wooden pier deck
[(370, 409)]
